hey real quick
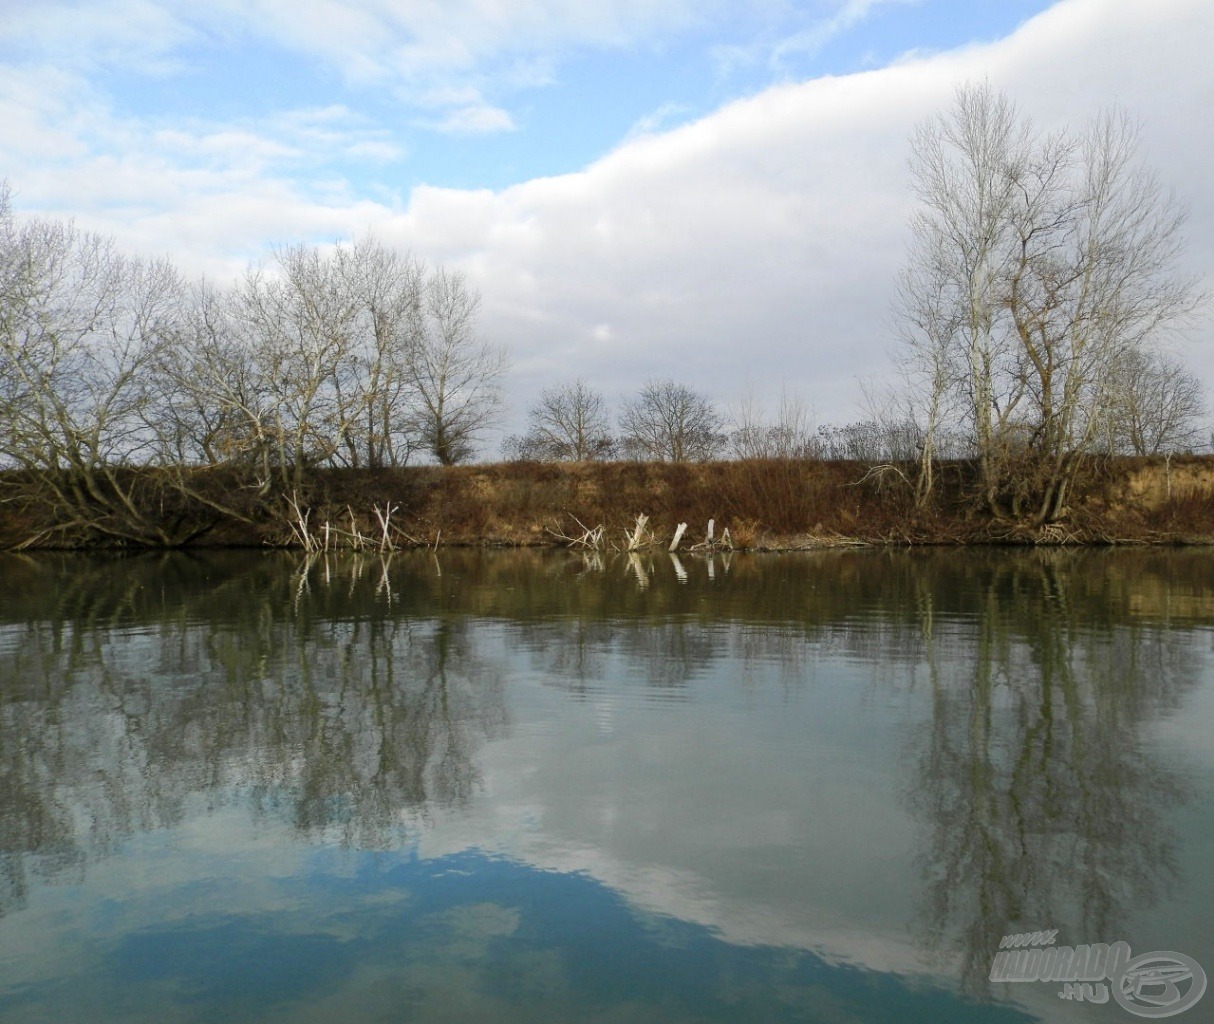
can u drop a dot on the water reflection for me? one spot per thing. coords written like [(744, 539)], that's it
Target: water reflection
[(133, 685), (353, 701), (1044, 805)]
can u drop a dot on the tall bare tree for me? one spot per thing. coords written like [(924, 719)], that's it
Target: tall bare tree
[(299, 319), (1038, 262), (306, 362), (567, 423), (80, 324), (671, 422), (454, 375), (388, 288)]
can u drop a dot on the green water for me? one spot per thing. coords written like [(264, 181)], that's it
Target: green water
[(538, 787)]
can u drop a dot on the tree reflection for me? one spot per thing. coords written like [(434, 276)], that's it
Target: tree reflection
[(1043, 806), (117, 709)]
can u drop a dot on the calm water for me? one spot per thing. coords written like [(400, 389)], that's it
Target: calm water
[(529, 787)]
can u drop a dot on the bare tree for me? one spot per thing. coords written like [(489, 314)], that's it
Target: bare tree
[(138, 407), (1159, 406), (454, 376), (216, 403), (671, 422), (388, 291), (79, 326), (1037, 263), (355, 356), (299, 320), (566, 424), (306, 362)]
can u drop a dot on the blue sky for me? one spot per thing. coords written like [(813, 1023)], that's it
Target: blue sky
[(637, 188), (422, 97)]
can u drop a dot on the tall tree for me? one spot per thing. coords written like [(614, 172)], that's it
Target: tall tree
[(80, 324), (1038, 264), (454, 375)]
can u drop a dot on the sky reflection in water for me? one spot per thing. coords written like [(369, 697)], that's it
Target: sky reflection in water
[(524, 787)]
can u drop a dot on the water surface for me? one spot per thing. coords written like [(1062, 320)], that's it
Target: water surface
[(539, 787)]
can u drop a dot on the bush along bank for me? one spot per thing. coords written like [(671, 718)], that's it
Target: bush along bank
[(752, 504)]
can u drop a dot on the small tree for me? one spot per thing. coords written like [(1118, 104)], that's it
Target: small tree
[(1158, 407), (566, 424), (669, 422)]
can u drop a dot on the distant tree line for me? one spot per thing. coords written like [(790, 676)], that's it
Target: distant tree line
[(671, 422), (352, 356)]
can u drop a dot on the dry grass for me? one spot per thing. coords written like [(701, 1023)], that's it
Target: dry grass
[(764, 503)]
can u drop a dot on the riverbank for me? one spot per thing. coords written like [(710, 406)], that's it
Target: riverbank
[(764, 504)]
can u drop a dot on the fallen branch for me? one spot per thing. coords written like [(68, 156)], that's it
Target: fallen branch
[(592, 538), (299, 525)]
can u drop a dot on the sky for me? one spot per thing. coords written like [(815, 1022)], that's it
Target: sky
[(715, 191)]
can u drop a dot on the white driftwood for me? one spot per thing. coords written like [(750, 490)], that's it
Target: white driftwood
[(299, 527), (678, 536), (592, 539), (638, 539), (710, 543), (385, 518)]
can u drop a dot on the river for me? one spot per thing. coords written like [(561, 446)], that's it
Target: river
[(541, 786)]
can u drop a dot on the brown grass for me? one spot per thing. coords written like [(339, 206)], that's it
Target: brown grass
[(764, 503)]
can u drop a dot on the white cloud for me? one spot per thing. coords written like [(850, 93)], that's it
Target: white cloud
[(375, 152), (777, 46), (138, 34), (662, 119), (230, 146), (406, 37), (810, 41), (463, 110), (411, 46), (477, 119)]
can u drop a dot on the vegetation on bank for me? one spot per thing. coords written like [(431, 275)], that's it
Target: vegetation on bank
[(766, 504)]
